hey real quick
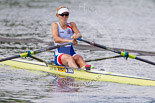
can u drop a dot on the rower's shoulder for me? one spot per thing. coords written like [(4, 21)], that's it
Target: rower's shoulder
[(54, 24), (72, 23)]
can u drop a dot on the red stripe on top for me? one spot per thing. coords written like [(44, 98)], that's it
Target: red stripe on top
[(59, 59), (70, 27)]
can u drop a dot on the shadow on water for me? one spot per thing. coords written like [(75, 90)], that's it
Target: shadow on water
[(10, 100), (64, 84)]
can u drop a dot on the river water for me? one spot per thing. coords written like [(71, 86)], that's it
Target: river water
[(128, 24)]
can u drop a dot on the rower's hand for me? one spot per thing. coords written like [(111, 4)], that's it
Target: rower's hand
[(76, 36), (74, 41)]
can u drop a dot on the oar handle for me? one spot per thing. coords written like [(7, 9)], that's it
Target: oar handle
[(79, 39)]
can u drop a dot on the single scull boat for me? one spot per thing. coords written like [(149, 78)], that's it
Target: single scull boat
[(92, 75)]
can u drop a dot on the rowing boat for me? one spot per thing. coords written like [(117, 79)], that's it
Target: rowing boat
[(92, 75)]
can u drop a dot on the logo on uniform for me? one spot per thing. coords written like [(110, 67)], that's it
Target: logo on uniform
[(68, 31), (62, 32)]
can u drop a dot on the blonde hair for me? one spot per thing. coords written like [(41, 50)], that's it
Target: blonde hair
[(59, 9)]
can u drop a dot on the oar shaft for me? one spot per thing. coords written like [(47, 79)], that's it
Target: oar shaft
[(144, 60), (102, 58), (29, 53), (9, 58), (100, 46), (116, 51)]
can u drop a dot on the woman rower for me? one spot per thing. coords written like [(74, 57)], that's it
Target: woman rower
[(64, 32)]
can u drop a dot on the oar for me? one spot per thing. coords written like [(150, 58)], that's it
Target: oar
[(29, 53), (125, 54), (89, 60)]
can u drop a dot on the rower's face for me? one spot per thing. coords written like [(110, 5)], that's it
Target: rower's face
[(64, 16)]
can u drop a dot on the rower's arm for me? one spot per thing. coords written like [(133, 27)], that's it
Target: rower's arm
[(76, 31)]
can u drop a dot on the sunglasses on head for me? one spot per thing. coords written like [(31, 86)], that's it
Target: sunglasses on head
[(64, 14)]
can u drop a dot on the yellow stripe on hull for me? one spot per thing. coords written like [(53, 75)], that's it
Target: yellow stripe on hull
[(93, 75)]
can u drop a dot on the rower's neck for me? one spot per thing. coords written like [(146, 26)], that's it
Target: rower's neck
[(63, 24)]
